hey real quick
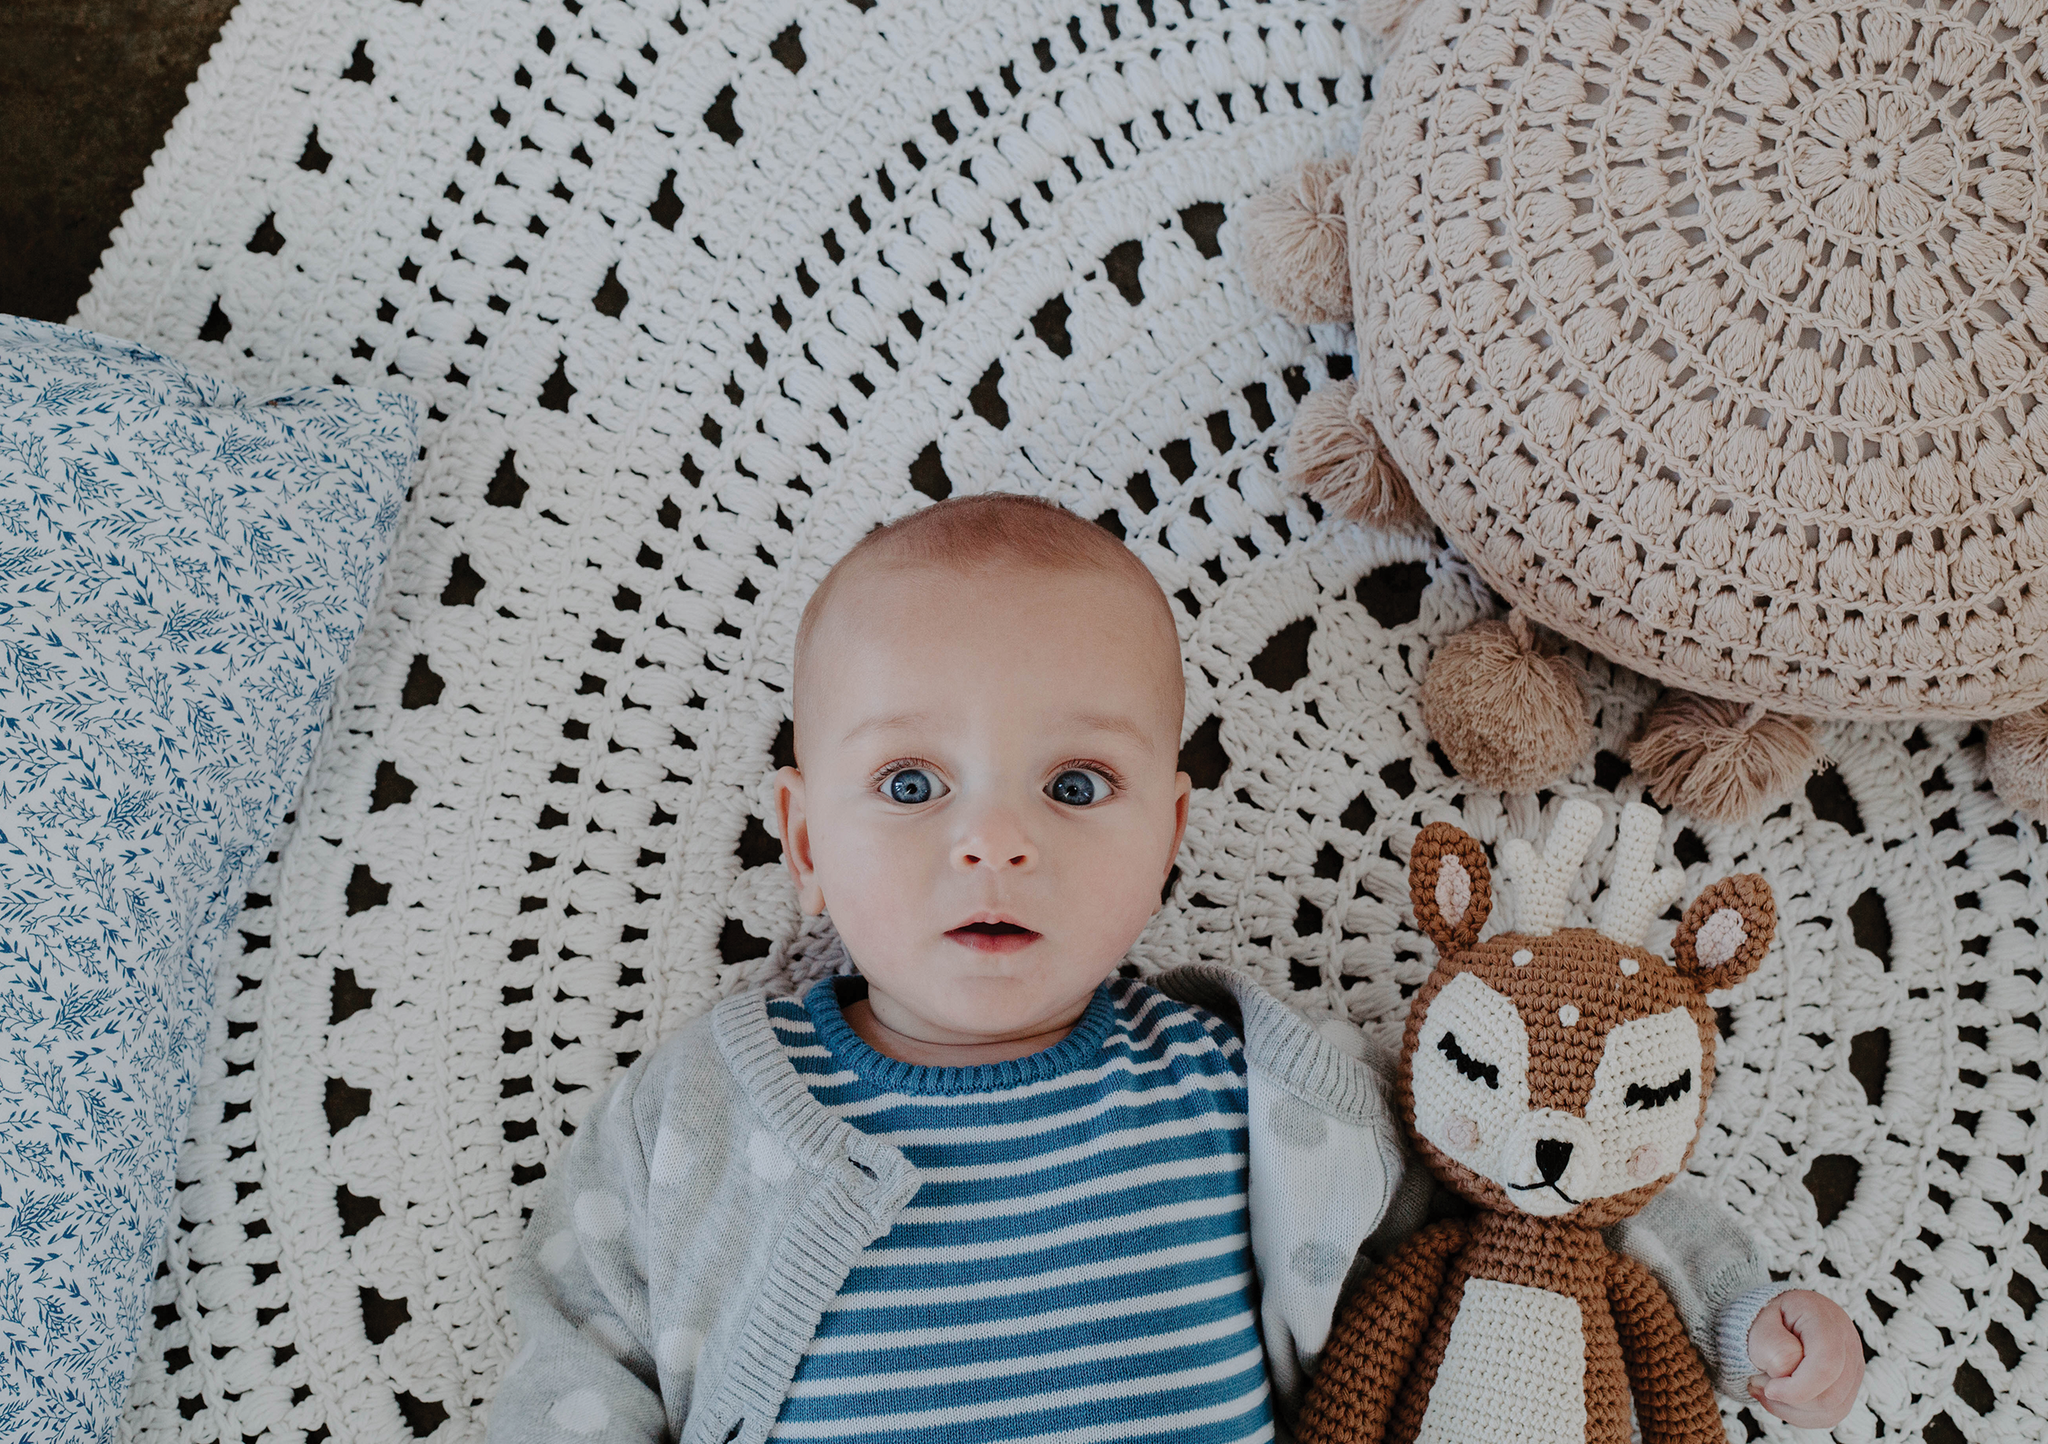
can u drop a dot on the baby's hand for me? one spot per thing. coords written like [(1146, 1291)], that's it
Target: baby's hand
[(1811, 1358)]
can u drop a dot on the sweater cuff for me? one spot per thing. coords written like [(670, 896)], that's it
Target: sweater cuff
[(1732, 1333)]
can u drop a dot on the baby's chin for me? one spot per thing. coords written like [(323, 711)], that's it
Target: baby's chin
[(994, 993), (1002, 989)]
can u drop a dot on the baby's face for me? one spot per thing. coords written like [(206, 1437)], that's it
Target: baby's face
[(989, 800)]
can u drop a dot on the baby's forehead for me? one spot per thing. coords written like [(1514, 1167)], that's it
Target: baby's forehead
[(872, 603), (876, 594), (992, 571)]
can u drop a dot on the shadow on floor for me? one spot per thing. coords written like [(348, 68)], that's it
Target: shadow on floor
[(87, 90)]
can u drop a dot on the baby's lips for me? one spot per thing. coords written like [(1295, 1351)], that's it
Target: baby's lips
[(993, 934), (992, 923)]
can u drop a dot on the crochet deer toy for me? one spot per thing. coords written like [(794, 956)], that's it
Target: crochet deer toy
[(1556, 1078)]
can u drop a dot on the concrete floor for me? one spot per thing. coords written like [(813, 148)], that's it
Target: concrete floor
[(87, 89)]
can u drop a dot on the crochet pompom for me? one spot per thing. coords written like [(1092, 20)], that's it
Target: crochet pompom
[(1334, 455), (2016, 755), (1383, 17), (1292, 244), (1722, 761), (1506, 715)]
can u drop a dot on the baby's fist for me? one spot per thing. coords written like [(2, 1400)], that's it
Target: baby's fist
[(1810, 1359)]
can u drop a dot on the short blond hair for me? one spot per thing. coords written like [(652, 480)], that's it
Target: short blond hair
[(994, 529)]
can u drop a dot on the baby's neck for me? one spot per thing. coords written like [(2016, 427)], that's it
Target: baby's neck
[(907, 1047)]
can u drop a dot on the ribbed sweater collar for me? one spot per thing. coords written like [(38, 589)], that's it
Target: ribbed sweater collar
[(1081, 1046), (1276, 1039), (778, 1092)]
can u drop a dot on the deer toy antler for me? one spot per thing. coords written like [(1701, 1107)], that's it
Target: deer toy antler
[(1638, 889), (1543, 883)]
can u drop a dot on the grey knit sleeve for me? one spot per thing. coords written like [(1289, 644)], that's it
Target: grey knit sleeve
[(584, 1368), (1712, 1269)]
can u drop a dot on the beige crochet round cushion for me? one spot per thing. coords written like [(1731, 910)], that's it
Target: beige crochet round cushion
[(1713, 333)]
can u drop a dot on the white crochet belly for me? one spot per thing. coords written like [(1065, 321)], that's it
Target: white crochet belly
[(1514, 1370)]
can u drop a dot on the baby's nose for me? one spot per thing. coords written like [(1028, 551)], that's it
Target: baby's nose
[(994, 839), (977, 853)]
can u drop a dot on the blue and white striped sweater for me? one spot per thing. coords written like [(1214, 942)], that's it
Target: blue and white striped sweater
[(1076, 1263)]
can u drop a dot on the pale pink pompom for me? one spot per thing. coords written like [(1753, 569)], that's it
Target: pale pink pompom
[(1506, 715), (1383, 17), (2016, 755), (1722, 761), (1335, 455), (1292, 246)]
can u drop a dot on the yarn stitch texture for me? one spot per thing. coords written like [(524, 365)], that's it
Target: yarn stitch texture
[(1712, 332), (697, 292)]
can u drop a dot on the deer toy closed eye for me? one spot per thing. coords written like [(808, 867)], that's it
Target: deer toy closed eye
[(1556, 1078)]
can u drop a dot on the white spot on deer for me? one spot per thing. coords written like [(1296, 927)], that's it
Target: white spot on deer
[(1568, 1015)]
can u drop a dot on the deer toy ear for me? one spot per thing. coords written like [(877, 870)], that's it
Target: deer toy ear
[(1450, 886), (1726, 931)]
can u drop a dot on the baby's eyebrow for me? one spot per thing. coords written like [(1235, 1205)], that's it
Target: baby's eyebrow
[(893, 722), (1122, 726), (1089, 721)]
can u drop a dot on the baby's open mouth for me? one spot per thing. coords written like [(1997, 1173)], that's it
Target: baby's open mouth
[(993, 937)]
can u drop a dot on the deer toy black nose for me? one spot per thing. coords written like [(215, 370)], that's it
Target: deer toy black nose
[(1552, 1158)]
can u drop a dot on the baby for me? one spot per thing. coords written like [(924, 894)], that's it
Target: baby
[(985, 1187)]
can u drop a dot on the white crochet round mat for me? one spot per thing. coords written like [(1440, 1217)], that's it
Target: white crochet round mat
[(697, 298), (1715, 333)]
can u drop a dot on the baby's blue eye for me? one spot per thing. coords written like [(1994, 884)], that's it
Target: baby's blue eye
[(911, 785), (1077, 788)]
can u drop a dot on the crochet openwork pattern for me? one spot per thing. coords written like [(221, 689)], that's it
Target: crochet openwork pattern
[(1713, 333), (698, 294)]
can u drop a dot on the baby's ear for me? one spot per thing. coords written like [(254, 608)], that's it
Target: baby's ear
[(1450, 886), (1726, 931)]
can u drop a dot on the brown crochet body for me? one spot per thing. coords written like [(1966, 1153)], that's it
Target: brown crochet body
[(1520, 1325), (1370, 1386)]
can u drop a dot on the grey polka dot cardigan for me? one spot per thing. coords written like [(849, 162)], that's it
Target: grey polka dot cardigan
[(708, 1210)]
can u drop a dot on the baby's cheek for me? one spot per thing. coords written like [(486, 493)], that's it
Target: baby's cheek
[(1126, 884), (876, 889), (853, 853)]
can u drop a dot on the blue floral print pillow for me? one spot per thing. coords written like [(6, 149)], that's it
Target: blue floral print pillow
[(183, 571)]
